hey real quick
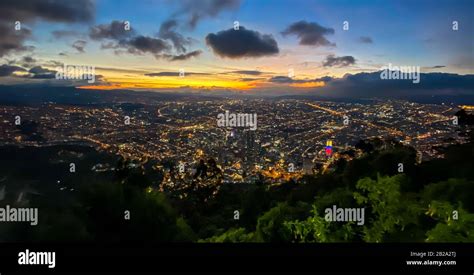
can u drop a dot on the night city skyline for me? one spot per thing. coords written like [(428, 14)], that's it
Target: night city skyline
[(135, 133)]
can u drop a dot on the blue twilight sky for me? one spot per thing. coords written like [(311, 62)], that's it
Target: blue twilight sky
[(402, 32)]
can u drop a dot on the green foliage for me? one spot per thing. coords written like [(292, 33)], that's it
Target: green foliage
[(98, 214), (453, 190), (317, 229), (451, 227), (389, 211), (185, 232), (415, 206), (342, 197), (233, 235), (313, 229), (62, 225), (270, 225), (255, 202)]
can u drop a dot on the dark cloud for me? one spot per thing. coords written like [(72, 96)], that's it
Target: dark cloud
[(8, 70), (324, 79), (180, 57), (365, 39), (281, 79), (62, 54), (28, 59), (28, 12), (247, 72), (12, 40), (65, 33), (289, 80), (249, 79), (51, 10), (242, 43), (438, 67), (114, 31), (45, 75), (39, 72), (371, 85), (122, 40), (167, 31), (79, 45), (341, 61), (115, 37), (174, 74), (145, 44), (310, 33), (195, 11)]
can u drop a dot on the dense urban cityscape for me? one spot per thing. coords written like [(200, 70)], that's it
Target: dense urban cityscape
[(289, 141)]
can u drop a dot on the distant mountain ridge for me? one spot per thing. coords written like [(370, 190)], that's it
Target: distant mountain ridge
[(38, 94)]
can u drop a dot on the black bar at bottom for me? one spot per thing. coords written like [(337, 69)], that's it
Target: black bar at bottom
[(196, 257)]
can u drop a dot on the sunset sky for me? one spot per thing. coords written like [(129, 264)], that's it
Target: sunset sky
[(275, 36)]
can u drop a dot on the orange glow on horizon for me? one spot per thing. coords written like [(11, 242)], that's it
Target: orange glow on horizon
[(172, 83), (308, 84)]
